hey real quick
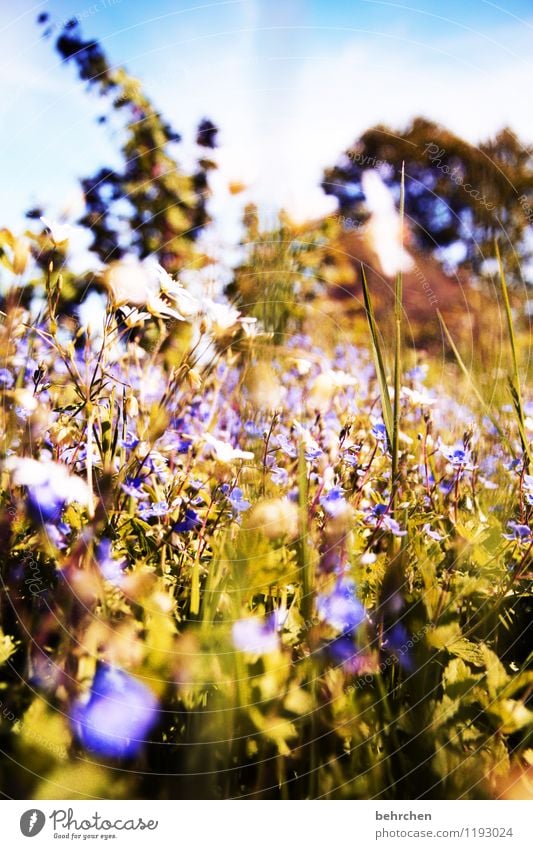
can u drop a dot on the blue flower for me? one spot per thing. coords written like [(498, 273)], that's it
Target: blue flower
[(334, 502), (252, 429), (118, 715), (279, 476), (457, 456), (189, 523), (133, 487), (234, 496), (379, 432), (341, 608), (342, 649), (432, 534), (6, 378), (287, 447), (111, 569), (397, 642), (519, 533), (158, 508), (255, 636), (378, 517)]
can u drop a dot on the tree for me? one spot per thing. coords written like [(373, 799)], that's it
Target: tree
[(149, 206), (456, 194)]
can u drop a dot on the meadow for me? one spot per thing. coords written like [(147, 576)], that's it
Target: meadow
[(275, 557)]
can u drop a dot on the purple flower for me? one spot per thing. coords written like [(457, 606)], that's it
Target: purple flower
[(133, 487), (111, 569), (379, 432), (341, 608), (519, 533), (117, 716), (279, 476), (334, 503), (287, 447), (378, 517), (252, 429), (189, 523), (458, 457), (396, 641), (158, 508), (432, 534), (6, 378), (255, 636), (234, 496), (342, 649)]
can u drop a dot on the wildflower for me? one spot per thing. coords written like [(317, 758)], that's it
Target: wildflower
[(235, 498), (417, 398), (458, 456), (133, 487), (190, 522), (379, 517), (186, 304), (49, 486), (341, 608), (519, 533), (255, 636), (286, 446), (528, 489), (224, 452), (6, 378), (397, 642), (279, 476), (221, 318), (379, 432), (129, 282), (117, 716), (155, 510), (311, 448), (111, 568), (59, 232), (431, 533), (334, 503), (252, 429)]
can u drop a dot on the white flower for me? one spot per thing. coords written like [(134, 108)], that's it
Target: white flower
[(59, 232), (418, 399), (56, 477), (220, 317), (186, 303), (130, 282), (225, 452)]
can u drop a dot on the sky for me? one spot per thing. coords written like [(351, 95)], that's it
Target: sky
[(290, 83)]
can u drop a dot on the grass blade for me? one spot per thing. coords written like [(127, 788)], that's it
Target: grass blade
[(398, 304), (388, 418), (514, 381)]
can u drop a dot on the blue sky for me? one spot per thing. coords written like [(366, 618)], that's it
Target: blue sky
[(290, 83)]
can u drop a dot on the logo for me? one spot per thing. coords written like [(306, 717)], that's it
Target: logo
[(32, 822)]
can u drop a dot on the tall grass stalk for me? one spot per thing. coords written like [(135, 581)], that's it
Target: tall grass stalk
[(514, 380)]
